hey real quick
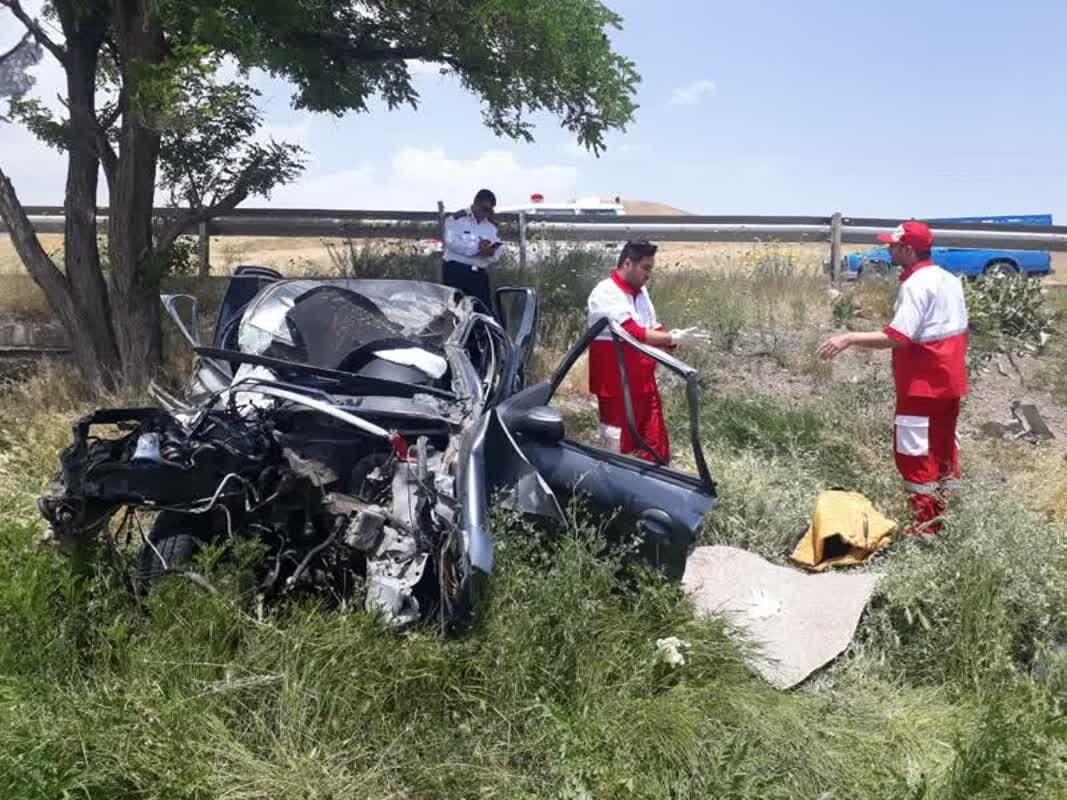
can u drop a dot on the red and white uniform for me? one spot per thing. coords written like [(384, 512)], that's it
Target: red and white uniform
[(930, 372), (615, 299)]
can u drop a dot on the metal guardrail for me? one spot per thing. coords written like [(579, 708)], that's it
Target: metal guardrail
[(426, 224), (521, 228)]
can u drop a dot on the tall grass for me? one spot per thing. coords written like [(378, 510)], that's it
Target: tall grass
[(556, 690), (22, 297)]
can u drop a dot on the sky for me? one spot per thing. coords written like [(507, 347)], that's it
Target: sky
[(929, 109)]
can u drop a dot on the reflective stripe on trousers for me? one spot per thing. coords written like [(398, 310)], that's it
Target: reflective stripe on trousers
[(921, 488), (927, 451)]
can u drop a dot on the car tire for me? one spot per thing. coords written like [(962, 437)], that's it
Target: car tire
[(1008, 269), (172, 540)]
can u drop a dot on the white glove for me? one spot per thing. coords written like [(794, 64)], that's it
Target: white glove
[(690, 336)]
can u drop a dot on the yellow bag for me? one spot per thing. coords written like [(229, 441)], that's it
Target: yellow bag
[(845, 530)]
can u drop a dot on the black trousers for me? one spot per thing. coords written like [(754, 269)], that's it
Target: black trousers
[(473, 282)]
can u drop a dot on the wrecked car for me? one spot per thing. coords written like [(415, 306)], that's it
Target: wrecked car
[(359, 429)]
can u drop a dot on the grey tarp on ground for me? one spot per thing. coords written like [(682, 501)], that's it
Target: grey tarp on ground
[(798, 621)]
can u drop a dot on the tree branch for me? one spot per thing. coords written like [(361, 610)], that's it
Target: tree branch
[(25, 38), (408, 53), (343, 45), (194, 216), (33, 27), (108, 159), (112, 116)]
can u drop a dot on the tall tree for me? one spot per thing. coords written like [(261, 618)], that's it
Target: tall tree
[(145, 106)]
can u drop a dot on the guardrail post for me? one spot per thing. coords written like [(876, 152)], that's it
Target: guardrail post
[(522, 240), (835, 247), (204, 248)]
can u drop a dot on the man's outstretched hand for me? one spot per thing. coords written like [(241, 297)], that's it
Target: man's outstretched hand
[(690, 336), (834, 345)]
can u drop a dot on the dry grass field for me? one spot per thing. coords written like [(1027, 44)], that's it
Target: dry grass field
[(312, 255)]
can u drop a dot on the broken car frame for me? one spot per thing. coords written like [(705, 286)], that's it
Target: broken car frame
[(358, 429)]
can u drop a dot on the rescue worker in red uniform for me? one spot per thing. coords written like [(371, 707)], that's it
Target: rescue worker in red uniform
[(623, 299), (928, 335)]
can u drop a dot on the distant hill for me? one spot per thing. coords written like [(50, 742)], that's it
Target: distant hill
[(652, 208)]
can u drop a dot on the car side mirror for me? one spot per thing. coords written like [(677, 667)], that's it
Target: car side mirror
[(188, 324), (541, 423)]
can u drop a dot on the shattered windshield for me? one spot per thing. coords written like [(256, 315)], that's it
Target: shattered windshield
[(339, 324)]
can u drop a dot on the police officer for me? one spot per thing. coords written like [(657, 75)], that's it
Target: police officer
[(472, 243)]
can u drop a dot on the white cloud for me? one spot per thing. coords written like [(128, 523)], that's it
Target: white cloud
[(416, 178), (692, 93)]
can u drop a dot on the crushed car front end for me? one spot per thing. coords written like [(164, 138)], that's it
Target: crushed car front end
[(356, 429), (343, 432)]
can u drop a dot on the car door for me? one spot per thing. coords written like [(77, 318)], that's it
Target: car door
[(667, 506), (211, 375), (246, 283), (517, 311)]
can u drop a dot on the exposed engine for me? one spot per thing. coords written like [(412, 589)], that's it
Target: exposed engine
[(340, 511)]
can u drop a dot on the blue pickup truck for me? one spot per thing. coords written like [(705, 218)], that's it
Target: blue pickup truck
[(960, 260)]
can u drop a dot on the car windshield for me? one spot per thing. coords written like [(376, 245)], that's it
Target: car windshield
[(339, 324)]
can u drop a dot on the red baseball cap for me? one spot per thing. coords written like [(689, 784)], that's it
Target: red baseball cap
[(912, 233)]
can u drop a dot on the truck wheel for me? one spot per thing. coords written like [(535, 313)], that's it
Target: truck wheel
[(876, 269), (1008, 269)]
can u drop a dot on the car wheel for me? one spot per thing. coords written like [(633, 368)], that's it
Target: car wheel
[(170, 540), (1007, 269)]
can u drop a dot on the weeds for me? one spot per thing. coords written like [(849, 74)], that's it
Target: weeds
[(1053, 375), (23, 298), (844, 310), (555, 691), (1008, 313), (371, 258)]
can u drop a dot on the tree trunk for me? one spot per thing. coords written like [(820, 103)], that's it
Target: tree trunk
[(97, 360), (78, 296), (135, 272), (81, 252)]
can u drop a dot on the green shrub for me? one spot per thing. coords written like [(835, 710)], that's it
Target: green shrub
[(844, 310), (372, 258), (563, 278), (1008, 313)]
